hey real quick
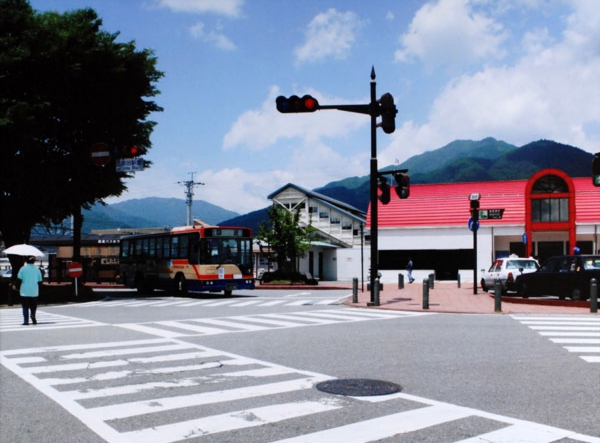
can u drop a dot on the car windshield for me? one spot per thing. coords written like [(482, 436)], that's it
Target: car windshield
[(521, 264), (591, 263)]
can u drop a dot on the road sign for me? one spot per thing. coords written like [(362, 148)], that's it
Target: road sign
[(130, 164), (471, 224), (99, 154), (75, 270), (490, 214)]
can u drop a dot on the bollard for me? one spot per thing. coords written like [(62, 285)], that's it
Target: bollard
[(431, 281), (400, 281), (355, 290), (458, 278), (498, 295), (425, 294), (593, 295), (376, 292)]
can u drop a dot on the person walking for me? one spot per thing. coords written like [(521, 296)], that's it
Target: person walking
[(30, 277), (409, 267)]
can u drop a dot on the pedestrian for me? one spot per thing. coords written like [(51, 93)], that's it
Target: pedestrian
[(29, 289), (409, 267)]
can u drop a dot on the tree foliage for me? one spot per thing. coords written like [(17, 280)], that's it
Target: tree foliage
[(64, 85), (285, 236)]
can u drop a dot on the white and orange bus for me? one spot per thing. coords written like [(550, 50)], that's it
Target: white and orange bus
[(194, 259)]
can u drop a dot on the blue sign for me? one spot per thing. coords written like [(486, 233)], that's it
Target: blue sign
[(471, 224), (524, 238)]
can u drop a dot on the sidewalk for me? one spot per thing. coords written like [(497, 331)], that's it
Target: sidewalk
[(448, 297)]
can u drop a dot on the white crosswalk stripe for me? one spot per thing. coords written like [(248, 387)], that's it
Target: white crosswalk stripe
[(166, 390), (209, 303), (259, 322), (12, 320), (578, 334)]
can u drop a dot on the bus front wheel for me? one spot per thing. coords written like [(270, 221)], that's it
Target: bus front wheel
[(180, 285)]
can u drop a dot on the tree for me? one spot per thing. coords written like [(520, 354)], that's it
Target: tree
[(286, 237), (64, 85)]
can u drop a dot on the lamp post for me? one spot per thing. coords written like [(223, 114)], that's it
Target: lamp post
[(474, 199)]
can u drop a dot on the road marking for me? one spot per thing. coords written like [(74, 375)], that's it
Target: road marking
[(12, 319), (261, 322), (568, 330), (166, 391)]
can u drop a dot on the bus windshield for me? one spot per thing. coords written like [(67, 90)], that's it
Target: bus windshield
[(218, 251)]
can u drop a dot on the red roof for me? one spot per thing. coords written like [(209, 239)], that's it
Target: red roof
[(448, 204)]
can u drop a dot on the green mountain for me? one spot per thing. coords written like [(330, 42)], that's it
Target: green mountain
[(459, 161), (151, 212)]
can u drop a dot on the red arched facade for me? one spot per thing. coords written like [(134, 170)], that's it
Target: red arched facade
[(567, 224)]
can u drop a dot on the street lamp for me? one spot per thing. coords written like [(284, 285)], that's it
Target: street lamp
[(474, 202)]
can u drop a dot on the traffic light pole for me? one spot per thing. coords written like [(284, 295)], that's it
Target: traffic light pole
[(373, 188), (387, 110)]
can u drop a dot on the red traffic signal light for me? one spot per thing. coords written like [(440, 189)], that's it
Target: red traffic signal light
[(596, 169), (384, 187), (388, 113), (403, 184), (296, 104), (130, 151)]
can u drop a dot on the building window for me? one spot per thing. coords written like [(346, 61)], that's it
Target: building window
[(335, 220), (323, 214), (546, 205), (550, 210), (313, 209)]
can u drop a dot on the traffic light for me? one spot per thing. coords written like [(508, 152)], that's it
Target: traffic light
[(474, 200), (403, 184), (596, 169), (296, 104), (384, 187), (130, 151), (388, 113)]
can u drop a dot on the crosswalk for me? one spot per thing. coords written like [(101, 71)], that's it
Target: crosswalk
[(166, 390), (162, 302), (12, 319), (577, 334), (261, 322)]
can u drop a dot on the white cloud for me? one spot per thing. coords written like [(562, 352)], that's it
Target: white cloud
[(451, 33), (229, 8), (213, 37), (329, 34), (259, 129), (551, 92)]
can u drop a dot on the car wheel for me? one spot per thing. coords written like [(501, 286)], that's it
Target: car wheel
[(576, 294), (483, 286), (522, 290)]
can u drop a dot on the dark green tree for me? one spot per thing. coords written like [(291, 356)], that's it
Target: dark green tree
[(64, 85), (288, 240)]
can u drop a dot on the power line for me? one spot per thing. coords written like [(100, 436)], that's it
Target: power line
[(189, 194)]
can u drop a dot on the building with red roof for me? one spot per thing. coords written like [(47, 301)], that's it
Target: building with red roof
[(548, 214)]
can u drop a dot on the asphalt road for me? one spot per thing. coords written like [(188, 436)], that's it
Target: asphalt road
[(245, 369)]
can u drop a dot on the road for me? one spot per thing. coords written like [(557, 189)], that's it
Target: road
[(247, 368)]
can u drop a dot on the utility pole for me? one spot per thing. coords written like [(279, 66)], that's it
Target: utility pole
[(189, 196)]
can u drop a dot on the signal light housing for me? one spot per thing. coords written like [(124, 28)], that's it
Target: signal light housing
[(596, 170), (384, 187), (388, 113), (295, 104), (131, 151), (403, 184)]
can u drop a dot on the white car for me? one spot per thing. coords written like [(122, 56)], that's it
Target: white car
[(507, 270)]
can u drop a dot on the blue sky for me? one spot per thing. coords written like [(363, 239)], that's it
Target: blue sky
[(515, 70)]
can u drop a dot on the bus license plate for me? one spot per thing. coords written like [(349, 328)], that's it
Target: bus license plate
[(230, 287)]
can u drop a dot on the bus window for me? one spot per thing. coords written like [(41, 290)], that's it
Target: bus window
[(194, 256), (175, 247), (125, 248), (159, 247), (152, 247), (166, 247), (184, 246)]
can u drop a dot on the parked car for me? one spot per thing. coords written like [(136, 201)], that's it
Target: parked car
[(6, 274), (507, 270), (563, 276)]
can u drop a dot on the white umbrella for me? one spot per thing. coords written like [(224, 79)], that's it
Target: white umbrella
[(24, 250)]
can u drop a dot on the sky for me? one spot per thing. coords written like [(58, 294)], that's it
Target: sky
[(515, 70)]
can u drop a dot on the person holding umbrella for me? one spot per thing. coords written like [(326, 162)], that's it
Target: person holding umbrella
[(30, 277)]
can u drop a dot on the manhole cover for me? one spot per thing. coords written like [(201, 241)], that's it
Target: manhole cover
[(359, 387)]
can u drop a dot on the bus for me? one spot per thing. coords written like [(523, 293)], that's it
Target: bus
[(188, 259)]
